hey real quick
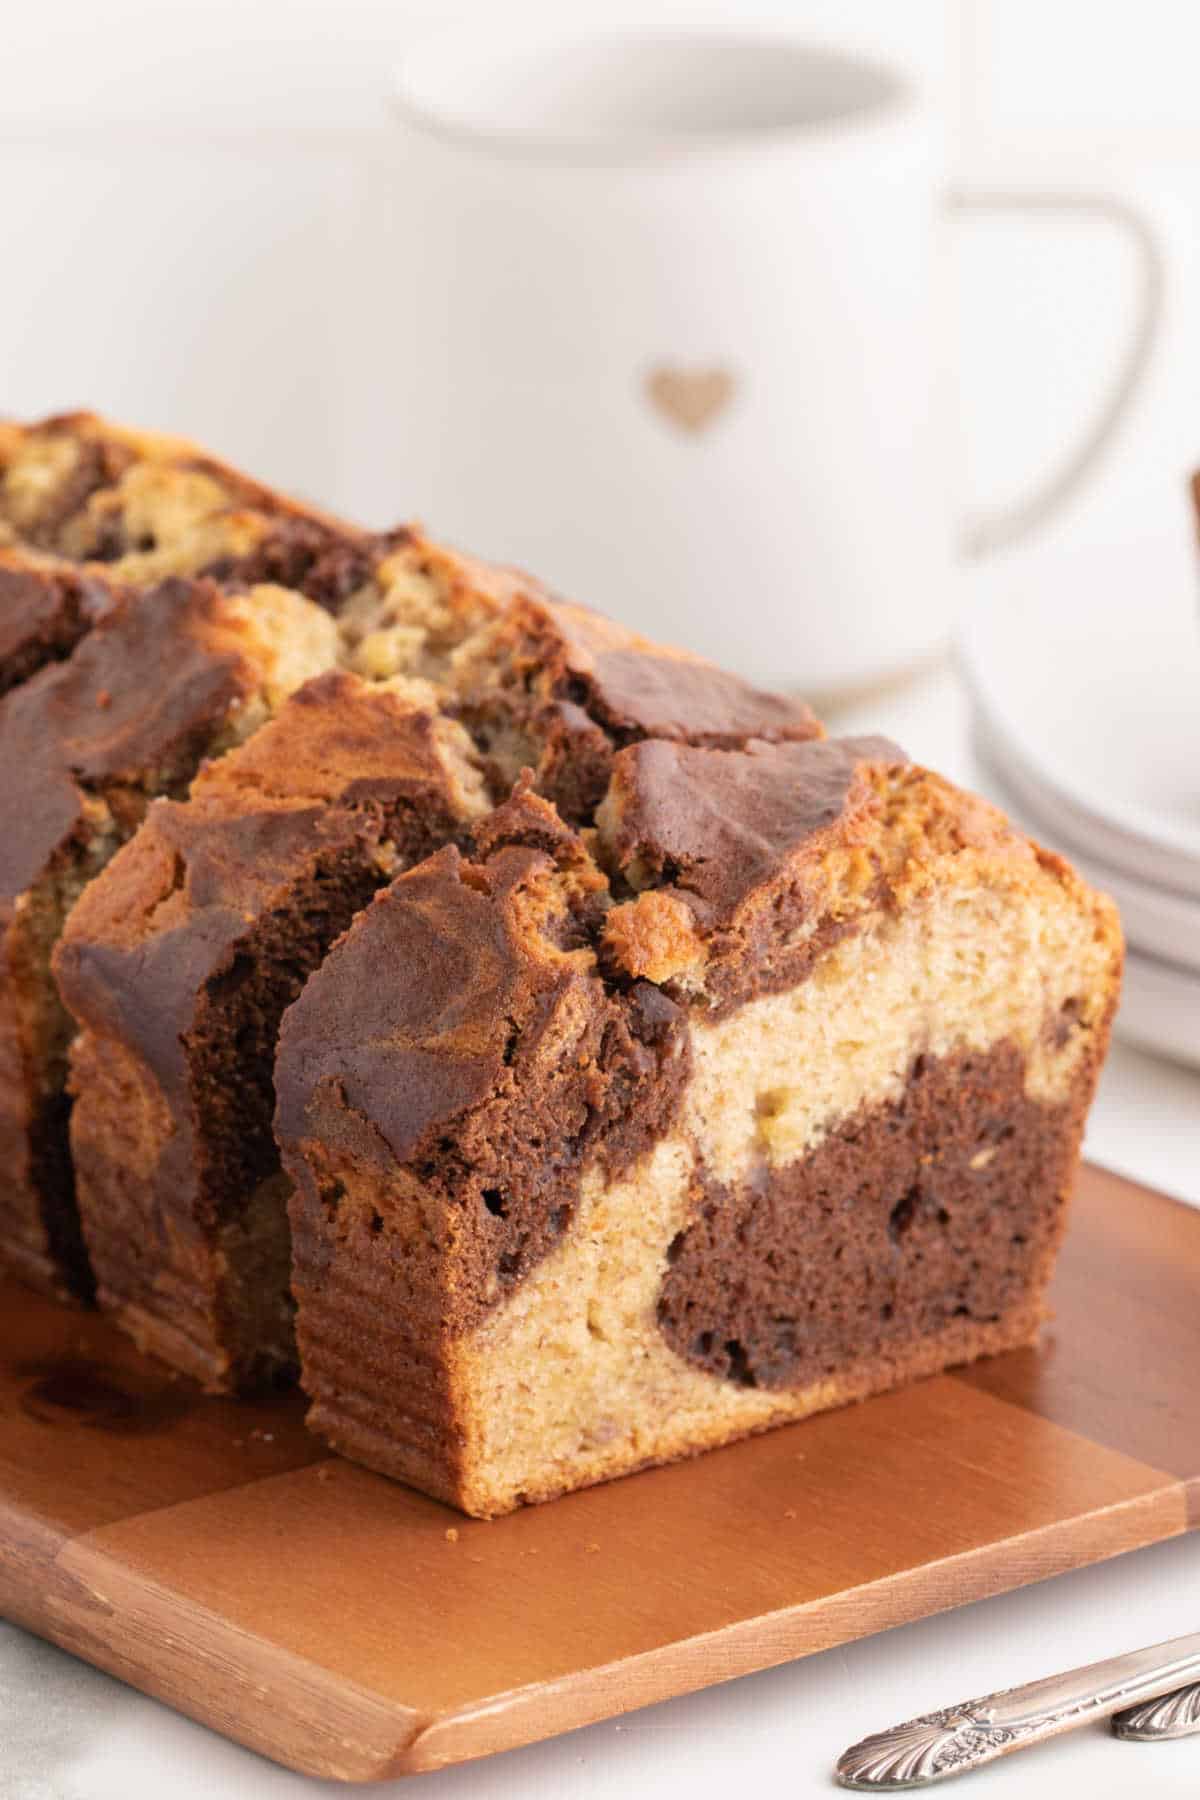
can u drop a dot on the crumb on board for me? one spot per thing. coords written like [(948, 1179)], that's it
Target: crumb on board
[(452, 1534)]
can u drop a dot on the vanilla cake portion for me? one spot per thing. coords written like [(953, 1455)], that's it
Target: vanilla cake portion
[(177, 964), (610, 1147), (164, 681)]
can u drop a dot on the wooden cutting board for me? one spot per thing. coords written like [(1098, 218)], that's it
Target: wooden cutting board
[(212, 1555)]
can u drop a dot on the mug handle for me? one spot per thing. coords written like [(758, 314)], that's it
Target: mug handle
[(1005, 525)]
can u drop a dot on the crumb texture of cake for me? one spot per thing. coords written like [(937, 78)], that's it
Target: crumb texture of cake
[(177, 964), (154, 688), (559, 689), (543, 684), (92, 513), (764, 1097), (146, 506)]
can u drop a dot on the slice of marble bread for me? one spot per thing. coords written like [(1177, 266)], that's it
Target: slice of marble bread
[(610, 1148), (178, 962), (207, 597), (86, 744)]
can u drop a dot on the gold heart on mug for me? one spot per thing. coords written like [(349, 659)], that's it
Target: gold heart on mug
[(692, 399)]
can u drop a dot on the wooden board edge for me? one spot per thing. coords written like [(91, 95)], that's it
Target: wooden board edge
[(306, 1718), (283, 1706), (72, 1589), (510, 1721)]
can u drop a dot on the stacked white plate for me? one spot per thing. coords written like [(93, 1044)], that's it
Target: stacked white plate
[(1086, 720)]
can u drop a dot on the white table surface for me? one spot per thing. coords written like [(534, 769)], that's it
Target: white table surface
[(69, 1733)]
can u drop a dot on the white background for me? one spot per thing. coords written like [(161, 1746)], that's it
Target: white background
[(203, 212)]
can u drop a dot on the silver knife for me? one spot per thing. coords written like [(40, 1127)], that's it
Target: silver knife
[(964, 1737)]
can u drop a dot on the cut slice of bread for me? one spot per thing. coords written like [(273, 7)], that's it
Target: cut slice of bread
[(178, 962), (779, 1107)]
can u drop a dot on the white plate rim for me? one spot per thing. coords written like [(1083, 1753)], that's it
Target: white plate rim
[(1126, 844), (1159, 1008), (1118, 820), (1047, 815)]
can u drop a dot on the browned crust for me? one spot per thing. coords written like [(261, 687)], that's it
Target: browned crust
[(575, 687), (105, 451), (134, 703), (60, 544), (46, 606), (746, 865)]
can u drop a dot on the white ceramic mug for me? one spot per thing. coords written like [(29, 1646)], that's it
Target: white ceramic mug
[(671, 322)]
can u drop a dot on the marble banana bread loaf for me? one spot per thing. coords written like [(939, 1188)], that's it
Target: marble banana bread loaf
[(612, 1146), (564, 1053), (455, 676)]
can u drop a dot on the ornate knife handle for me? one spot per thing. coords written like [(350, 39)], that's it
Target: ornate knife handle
[(961, 1738)]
